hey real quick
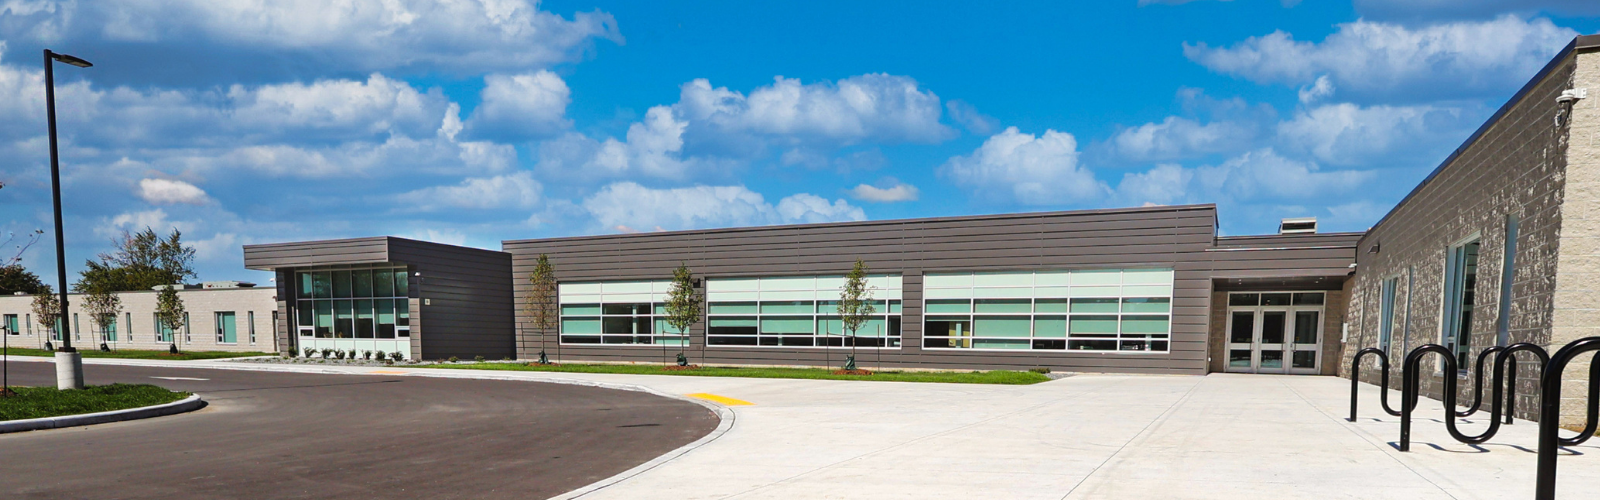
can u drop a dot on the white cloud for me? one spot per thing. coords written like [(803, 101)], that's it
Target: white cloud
[(626, 206), (871, 107), (1162, 185), (810, 208), (521, 107), (513, 191), (1027, 169), (1348, 134), (1467, 58), (1177, 137), (461, 36), (1255, 176), (345, 108), (896, 192), (170, 191), (1318, 90), (969, 117), (652, 148)]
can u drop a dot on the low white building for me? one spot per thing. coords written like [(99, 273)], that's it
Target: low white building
[(223, 316)]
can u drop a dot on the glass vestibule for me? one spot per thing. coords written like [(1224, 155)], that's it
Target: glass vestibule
[(354, 309), (1275, 332)]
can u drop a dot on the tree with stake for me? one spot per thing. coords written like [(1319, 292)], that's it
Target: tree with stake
[(169, 314), (542, 307), (855, 306), (47, 311), (103, 307), (683, 309)]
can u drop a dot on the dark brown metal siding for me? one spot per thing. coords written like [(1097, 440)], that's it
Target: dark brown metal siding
[(1285, 256), (466, 299), (1174, 237), (316, 253)]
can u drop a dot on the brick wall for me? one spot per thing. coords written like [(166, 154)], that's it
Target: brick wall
[(202, 305)]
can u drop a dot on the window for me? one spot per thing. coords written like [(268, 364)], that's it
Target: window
[(163, 330), (128, 321), (1093, 310), (1508, 274), (1386, 313), (617, 313), (798, 311), (108, 328), (77, 328), (250, 323), (1460, 287), (186, 324), (28, 323), (351, 304), (227, 328), (11, 324)]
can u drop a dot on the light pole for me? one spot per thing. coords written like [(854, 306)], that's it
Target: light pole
[(69, 364)]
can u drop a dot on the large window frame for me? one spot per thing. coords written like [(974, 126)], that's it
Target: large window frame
[(616, 314), (798, 312), (1125, 311), (1460, 298), (360, 303)]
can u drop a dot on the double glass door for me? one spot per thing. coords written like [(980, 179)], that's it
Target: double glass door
[(1274, 339)]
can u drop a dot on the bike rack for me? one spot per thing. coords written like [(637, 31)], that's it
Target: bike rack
[(1502, 404), (1550, 411), (1477, 382), (1355, 380)]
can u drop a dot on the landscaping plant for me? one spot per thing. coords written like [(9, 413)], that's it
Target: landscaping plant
[(541, 306), (170, 313), (683, 310), (855, 307)]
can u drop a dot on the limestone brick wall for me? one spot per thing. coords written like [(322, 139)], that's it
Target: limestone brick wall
[(1576, 300), (202, 305), (1517, 167)]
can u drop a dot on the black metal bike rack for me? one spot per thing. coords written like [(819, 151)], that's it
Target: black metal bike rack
[(1383, 383), (1503, 396), (1550, 411), (1477, 382)]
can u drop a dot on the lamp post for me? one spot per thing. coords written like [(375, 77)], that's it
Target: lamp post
[(69, 364)]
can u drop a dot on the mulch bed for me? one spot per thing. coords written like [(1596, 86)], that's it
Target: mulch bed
[(852, 372)]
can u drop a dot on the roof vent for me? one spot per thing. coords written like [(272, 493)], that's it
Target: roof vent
[(1298, 225), (227, 284)]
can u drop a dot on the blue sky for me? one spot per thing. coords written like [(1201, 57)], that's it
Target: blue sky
[(474, 121)]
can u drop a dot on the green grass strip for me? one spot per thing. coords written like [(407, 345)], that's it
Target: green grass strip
[(139, 354), (989, 377), (40, 402)]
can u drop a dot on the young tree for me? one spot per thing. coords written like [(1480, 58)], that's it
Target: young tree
[(855, 306), (47, 311), (103, 306), (683, 309), (169, 313), (541, 306)]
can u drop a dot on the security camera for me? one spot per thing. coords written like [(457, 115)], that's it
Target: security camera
[(1572, 95)]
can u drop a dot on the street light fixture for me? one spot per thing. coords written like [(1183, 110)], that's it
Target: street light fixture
[(69, 364)]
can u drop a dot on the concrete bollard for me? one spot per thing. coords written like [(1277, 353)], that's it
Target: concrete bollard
[(69, 370)]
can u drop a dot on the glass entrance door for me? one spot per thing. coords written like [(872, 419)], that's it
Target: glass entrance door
[(1272, 333)]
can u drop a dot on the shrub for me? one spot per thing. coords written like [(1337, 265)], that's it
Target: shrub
[(454, 359), (397, 356), (1040, 370), (309, 351), (478, 359), (366, 355), (339, 353), (327, 353)]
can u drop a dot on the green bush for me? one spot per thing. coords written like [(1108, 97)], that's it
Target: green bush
[(478, 359), (327, 353), (1040, 370), (454, 359)]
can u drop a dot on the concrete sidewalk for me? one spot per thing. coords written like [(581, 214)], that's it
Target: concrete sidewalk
[(1088, 436)]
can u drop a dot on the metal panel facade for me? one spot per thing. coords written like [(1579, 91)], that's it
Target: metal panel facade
[(1159, 237)]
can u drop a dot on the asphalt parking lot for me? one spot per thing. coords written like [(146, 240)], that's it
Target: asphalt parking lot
[(297, 435)]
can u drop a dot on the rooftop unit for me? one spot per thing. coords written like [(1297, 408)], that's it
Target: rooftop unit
[(1298, 225)]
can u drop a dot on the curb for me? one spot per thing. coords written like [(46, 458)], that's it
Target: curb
[(191, 403)]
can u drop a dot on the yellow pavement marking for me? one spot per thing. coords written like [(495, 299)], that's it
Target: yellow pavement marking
[(387, 372), (727, 401)]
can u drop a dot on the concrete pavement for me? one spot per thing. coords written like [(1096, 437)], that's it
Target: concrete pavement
[(1089, 436)]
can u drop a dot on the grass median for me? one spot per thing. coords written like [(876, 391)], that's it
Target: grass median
[(138, 354), (988, 377), (40, 402)]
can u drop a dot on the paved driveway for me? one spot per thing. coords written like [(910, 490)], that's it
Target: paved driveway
[(301, 435), (1088, 436)]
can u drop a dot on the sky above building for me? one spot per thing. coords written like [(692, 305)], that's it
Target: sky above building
[(473, 121)]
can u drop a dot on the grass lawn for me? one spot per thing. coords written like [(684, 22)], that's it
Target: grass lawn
[(990, 377), (40, 402), (137, 354)]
